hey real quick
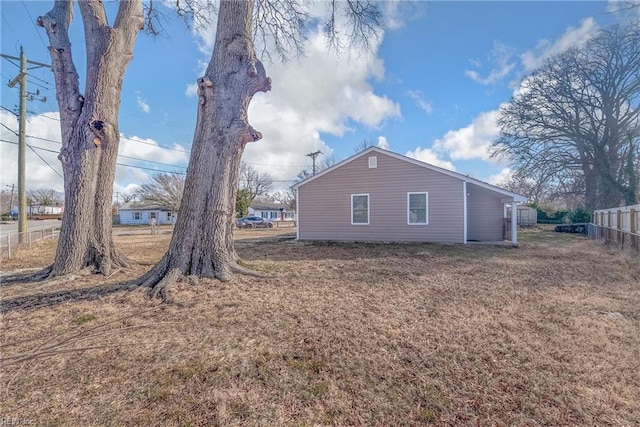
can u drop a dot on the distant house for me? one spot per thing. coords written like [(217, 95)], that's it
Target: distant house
[(44, 210), (378, 195), (271, 210), (138, 213)]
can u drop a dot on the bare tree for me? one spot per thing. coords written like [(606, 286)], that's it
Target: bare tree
[(45, 197), (202, 244), (255, 182), (127, 196), (165, 189), (363, 145), (579, 113)]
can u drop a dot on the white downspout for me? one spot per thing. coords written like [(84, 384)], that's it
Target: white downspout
[(464, 212), (297, 217), (514, 223)]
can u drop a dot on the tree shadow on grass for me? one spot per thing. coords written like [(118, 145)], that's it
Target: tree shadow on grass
[(59, 297)]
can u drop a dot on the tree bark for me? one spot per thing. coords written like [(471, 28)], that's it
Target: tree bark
[(89, 125), (202, 242)]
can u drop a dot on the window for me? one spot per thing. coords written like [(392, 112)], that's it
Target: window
[(360, 209), (373, 162), (136, 215), (264, 215), (417, 208), (168, 216), (152, 215)]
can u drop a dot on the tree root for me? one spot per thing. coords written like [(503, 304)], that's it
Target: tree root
[(27, 278), (238, 269)]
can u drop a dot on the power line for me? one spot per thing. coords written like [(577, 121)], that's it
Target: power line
[(39, 148), (118, 164), (33, 22), (47, 163)]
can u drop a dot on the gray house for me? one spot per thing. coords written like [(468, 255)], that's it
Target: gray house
[(377, 195), (139, 213)]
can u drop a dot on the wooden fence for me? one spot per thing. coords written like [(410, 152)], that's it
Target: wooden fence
[(620, 226)]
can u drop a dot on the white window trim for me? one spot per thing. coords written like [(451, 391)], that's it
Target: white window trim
[(409, 208), (368, 209)]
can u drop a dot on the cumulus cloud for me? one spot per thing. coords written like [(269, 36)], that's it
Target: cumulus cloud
[(472, 141), (418, 97), (320, 93), (42, 166), (534, 58), (500, 178), (383, 143), (501, 58), (427, 155), (142, 103)]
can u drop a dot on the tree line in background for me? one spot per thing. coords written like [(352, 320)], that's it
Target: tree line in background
[(572, 131), (166, 189)]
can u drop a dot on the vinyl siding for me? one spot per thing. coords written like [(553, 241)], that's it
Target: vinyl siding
[(126, 217), (485, 213), (324, 204)]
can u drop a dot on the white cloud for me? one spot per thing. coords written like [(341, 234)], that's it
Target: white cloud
[(500, 177), (142, 103), (427, 155), (630, 8), (418, 98), (472, 141), (42, 170), (501, 59), (191, 90), (320, 93), (383, 143), (534, 58)]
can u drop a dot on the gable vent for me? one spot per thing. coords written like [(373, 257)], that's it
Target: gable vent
[(373, 162)]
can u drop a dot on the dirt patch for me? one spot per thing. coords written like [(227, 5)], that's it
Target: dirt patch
[(344, 334)]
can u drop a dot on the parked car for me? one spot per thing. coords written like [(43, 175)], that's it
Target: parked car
[(253, 222)]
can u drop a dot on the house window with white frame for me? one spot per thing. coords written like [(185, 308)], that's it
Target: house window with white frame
[(168, 216), (359, 209), (417, 208), (152, 215), (136, 216)]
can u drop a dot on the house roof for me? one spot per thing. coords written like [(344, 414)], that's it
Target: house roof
[(141, 206), (267, 205), (516, 197)]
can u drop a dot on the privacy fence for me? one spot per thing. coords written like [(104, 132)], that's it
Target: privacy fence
[(10, 243), (620, 226)]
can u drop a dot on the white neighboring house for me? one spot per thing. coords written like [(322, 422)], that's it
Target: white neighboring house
[(271, 211), (139, 213)]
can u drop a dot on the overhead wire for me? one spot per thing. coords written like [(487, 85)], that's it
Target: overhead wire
[(33, 22)]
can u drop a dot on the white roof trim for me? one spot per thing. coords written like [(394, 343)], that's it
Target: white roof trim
[(465, 178)]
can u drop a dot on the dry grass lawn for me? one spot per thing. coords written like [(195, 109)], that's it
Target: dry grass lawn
[(343, 334)]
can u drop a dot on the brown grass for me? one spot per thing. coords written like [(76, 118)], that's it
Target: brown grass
[(357, 334)]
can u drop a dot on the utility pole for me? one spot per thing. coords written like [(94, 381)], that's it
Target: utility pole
[(21, 79), (313, 156)]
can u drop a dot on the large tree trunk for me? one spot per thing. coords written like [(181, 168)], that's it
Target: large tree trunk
[(89, 124), (202, 243)]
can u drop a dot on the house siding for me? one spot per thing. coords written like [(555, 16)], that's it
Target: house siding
[(324, 204), (485, 215), (127, 218)]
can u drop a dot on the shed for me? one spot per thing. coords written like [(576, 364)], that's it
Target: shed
[(378, 195)]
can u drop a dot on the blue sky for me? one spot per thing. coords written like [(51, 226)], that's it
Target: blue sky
[(430, 89)]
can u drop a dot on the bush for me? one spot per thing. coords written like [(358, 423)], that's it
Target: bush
[(579, 215)]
